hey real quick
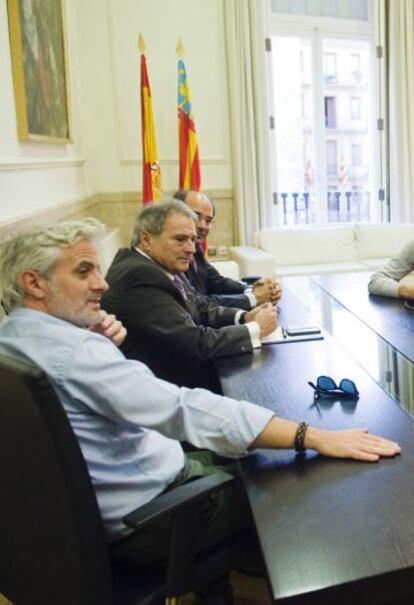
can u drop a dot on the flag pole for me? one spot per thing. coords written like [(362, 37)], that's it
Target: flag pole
[(141, 44), (180, 49)]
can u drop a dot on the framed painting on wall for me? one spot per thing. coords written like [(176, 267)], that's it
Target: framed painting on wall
[(38, 51)]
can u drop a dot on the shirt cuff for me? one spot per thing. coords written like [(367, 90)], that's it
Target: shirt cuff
[(238, 316), (243, 428), (254, 333), (252, 299)]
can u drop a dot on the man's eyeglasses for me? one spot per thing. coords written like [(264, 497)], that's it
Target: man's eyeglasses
[(202, 217), (327, 387)]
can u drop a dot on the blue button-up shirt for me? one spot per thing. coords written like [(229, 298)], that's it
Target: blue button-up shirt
[(127, 421)]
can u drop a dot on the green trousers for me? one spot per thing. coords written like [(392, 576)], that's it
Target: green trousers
[(225, 514)]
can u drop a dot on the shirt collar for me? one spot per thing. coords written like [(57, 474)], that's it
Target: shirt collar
[(167, 273)]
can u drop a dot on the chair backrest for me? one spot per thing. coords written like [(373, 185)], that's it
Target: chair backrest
[(52, 546)]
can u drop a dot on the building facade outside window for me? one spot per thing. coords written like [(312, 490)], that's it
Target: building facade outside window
[(323, 92), (355, 108)]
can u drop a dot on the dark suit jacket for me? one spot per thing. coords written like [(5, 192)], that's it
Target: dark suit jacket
[(177, 339), (219, 289)]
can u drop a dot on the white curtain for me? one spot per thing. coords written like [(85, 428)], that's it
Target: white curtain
[(400, 17), (246, 64)]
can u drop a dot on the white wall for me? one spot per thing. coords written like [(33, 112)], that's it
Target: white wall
[(108, 34), (35, 176), (104, 91)]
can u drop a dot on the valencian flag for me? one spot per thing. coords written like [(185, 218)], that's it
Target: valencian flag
[(190, 177), (151, 174)]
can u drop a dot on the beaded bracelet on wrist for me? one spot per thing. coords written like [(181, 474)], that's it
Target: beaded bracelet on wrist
[(300, 437)]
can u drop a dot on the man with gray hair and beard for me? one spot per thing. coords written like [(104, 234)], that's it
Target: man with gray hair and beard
[(127, 421)]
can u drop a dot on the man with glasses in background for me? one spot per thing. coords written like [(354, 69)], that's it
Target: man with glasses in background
[(206, 279)]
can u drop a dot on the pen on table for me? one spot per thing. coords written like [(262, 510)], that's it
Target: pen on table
[(283, 332)]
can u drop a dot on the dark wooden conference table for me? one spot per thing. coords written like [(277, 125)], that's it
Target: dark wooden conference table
[(331, 531), (386, 316)]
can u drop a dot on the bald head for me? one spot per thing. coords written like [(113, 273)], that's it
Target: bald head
[(203, 208)]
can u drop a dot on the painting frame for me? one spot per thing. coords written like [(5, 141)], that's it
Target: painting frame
[(39, 65)]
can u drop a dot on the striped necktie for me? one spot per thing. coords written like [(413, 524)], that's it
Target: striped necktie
[(194, 265), (179, 284)]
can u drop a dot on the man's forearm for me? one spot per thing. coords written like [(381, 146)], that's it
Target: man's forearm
[(383, 285), (279, 433), (352, 443)]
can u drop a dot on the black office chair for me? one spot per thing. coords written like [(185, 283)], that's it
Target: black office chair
[(53, 550)]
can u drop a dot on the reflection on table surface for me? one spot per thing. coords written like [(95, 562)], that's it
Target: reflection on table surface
[(331, 531), (389, 368)]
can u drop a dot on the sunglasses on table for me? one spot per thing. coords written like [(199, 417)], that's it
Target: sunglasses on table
[(327, 387)]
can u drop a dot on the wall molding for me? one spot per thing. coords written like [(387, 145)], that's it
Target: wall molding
[(61, 211), (89, 206), (134, 197), (36, 164), (135, 161)]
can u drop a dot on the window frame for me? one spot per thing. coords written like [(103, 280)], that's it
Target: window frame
[(356, 153), (334, 152), (326, 75), (319, 28), (355, 108)]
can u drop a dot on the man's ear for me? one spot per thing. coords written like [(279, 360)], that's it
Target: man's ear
[(33, 284), (145, 241)]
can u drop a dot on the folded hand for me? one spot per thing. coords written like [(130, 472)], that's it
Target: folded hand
[(110, 327)]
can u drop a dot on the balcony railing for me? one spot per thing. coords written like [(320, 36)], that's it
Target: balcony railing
[(343, 206)]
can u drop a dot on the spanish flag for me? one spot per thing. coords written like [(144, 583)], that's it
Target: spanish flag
[(190, 177), (151, 173)]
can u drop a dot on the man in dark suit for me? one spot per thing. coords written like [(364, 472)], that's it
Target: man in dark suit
[(170, 327), (206, 279)]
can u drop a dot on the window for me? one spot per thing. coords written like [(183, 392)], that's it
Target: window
[(326, 147), (354, 9), (355, 66), (355, 108), (329, 68), (356, 154), (307, 104), (330, 112), (302, 61), (331, 158)]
